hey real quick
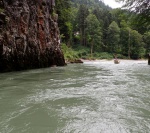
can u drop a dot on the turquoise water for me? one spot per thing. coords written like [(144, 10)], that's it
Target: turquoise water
[(93, 97)]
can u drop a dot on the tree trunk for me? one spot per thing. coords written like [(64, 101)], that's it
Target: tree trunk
[(92, 44), (129, 47)]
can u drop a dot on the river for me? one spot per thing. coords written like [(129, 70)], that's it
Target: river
[(93, 97)]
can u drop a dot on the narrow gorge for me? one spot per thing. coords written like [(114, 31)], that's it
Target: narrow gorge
[(29, 35)]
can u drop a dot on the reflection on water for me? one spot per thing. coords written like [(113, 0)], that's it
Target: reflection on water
[(94, 97)]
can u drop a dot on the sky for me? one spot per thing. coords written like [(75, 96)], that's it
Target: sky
[(112, 3)]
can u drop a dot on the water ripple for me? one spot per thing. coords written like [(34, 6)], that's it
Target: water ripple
[(94, 97)]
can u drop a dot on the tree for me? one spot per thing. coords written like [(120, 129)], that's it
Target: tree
[(93, 33), (136, 45), (113, 38), (146, 38), (82, 14), (125, 41), (141, 7), (63, 9)]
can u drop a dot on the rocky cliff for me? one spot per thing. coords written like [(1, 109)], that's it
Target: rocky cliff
[(29, 35)]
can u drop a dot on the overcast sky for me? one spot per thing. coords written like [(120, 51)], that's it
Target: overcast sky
[(112, 3)]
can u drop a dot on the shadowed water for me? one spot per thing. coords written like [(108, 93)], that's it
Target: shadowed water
[(94, 97)]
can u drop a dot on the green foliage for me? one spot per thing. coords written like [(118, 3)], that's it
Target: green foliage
[(113, 38), (91, 30), (83, 12), (69, 53), (141, 7), (136, 45), (103, 55), (64, 11), (125, 40), (82, 51), (146, 39), (120, 56)]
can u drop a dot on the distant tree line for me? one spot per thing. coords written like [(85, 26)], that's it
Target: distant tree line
[(93, 25)]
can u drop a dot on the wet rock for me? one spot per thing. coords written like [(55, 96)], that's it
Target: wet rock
[(76, 61), (29, 35)]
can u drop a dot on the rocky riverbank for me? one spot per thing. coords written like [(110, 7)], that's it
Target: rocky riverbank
[(29, 35)]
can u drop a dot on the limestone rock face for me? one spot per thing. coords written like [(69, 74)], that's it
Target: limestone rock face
[(29, 35)]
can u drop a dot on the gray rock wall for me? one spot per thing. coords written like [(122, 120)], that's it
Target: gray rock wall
[(29, 35)]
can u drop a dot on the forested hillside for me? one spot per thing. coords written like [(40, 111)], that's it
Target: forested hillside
[(90, 29)]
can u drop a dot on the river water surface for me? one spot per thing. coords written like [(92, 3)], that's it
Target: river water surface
[(93, 97)]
